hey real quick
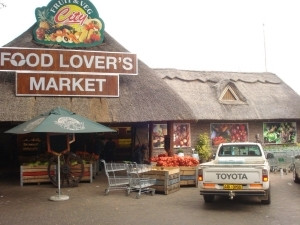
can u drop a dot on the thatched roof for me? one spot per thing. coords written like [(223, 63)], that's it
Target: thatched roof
[(261, 96), (144, 97)]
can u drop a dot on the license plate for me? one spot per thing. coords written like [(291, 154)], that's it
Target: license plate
[(233, 186)]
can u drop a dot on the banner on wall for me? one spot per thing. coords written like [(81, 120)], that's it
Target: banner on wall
[(181, 135), (228, 132), (158, 135), (279, 133)]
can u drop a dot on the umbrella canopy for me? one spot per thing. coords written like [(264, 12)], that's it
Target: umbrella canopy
[(59, 120)]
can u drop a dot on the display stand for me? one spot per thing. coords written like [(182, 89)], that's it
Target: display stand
[(59, 196)]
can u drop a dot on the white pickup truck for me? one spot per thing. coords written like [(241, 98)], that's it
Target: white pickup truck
[(238, 169)]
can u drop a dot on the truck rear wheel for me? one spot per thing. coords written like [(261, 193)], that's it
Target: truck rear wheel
[(208, 198), (295, 176), (267, 199)]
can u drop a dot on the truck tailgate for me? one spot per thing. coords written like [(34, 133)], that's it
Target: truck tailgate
[(244, 175)]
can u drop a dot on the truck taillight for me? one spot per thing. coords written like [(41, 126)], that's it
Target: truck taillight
[(200, 178), (265, 175), (200, 175)]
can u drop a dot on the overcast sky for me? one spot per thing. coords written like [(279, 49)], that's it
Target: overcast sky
[(206, 35)]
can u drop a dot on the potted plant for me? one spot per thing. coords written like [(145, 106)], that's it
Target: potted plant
[(180, 152), (195, 154), (203, 147)]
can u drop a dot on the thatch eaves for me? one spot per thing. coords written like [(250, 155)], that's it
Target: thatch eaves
[(263, 96), (144, 97)]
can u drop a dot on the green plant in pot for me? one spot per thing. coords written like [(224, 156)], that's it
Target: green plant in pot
[(203, 147), (180, 152)]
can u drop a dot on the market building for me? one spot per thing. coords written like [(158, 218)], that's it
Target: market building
[(237, 106), (164, 108), (139, 97)]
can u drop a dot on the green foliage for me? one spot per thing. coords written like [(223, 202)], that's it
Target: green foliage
[(179, 150), (203, 147)]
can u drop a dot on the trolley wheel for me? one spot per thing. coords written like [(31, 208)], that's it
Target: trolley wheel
[(153, 192), (106, 191), (138, 195), (71, 170), (128, 192)]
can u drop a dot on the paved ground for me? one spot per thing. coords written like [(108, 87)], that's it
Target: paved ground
[(88, 205)]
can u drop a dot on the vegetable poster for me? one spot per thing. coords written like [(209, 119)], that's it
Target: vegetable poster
[(158, 135), (228, 132), (181, 135), (279, 133)]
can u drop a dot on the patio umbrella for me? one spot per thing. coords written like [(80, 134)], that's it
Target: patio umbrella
[(59, 120)]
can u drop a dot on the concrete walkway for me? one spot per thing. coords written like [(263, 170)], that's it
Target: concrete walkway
[(87, 205)]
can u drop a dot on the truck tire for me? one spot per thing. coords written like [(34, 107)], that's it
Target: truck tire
[(267, 200), (295, 176), (208, 198)]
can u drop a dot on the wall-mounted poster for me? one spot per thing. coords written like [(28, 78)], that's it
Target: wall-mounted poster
[(228, 132), (158, 134), (279, 133), (181, 135)]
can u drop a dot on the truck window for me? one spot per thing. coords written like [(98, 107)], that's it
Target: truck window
[(239, 150)]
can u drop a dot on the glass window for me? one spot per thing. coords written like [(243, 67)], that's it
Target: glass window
[(240, 150)]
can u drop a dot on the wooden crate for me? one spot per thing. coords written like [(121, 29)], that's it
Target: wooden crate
[(39, 174), (87, 173), (34, 174), (189, 176), (167, 179)]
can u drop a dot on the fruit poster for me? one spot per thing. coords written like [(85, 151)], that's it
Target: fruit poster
[(228, 132), (279, 133), (181, 135), (158, 135), (68, 23)]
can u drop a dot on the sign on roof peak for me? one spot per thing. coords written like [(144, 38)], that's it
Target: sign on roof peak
[(70, 23)]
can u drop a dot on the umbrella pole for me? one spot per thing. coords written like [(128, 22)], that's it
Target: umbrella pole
[(59, 197)]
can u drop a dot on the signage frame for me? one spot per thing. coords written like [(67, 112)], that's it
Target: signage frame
[(112, 78), (86, 58)]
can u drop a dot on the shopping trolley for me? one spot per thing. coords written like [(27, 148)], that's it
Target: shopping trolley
[(138, 182), (280, 161), (129, 177), (117, 176)]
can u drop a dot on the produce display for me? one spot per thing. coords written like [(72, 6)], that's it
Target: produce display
[(173, 161), (43, 160), (36, 163), (86, 156)]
